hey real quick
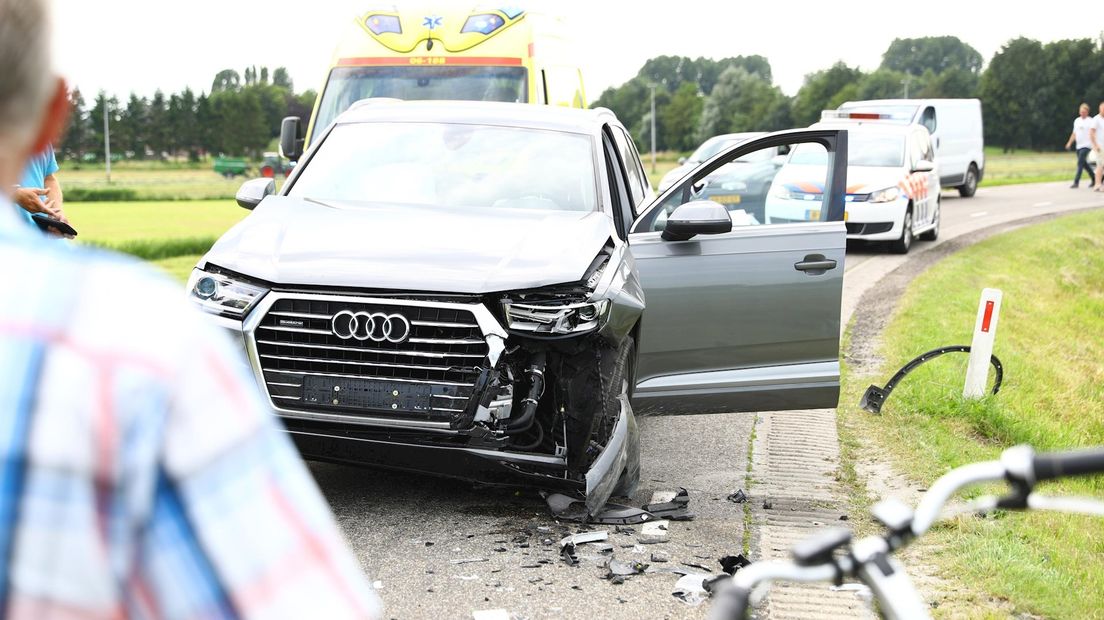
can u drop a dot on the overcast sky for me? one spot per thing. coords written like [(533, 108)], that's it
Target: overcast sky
[(142, 45)]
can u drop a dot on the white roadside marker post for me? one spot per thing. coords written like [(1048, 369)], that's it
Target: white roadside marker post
[(981, 349)]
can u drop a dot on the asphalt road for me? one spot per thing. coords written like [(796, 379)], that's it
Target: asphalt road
[(415, 535)]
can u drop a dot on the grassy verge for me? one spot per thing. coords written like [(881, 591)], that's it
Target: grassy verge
[(178, 267), (116, 222), (1053, 398), (1026, 167)]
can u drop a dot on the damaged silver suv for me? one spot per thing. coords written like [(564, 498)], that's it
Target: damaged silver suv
[(489, 291)]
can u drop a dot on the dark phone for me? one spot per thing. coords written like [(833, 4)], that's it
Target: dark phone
[(45, 222)]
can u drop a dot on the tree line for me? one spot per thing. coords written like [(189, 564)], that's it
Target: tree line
[(239, 116), (1029, 90)]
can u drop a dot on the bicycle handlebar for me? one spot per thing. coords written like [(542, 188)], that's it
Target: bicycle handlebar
[(1065, 464), (1019, 465)]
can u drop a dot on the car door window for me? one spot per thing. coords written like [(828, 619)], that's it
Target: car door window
[(927, 119), (916, 149), (757, 187), (635, 176), (620, 198)]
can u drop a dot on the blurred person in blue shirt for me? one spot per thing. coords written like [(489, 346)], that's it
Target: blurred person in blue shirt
[(39, 190), (141, 475)]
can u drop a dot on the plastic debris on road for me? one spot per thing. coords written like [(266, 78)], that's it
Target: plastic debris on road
[(739, 497), (690, 589), (653, 532), (732, 563)]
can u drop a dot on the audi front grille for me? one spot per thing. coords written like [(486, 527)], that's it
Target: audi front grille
[(369, 358)]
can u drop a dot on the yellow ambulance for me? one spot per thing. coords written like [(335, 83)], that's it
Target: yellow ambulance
[(499, 54)]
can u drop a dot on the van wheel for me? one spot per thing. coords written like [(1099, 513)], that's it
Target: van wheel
[(969, 187), (902, 245), (933, 233)]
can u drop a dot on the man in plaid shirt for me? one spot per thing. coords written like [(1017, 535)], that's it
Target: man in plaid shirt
[(141, 475)]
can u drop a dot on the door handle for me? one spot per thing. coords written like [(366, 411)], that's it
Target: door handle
[(815, 264)]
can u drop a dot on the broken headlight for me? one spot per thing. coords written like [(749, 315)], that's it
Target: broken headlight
[(556, 318), (219, 294)]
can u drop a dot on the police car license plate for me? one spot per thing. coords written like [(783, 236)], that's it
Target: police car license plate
[(727, 199), (812, 215)]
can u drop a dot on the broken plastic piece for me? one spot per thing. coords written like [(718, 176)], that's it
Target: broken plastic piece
[(738, 497), (621, 568), (568, 554), (660, 556), (653, 532), (584, 537), (600, 547), (690, 589), (672, 505), (567, 508), (732, 563), (875, 396)]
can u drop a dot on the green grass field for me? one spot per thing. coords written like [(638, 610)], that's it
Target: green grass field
[(1050, 341), (115, 222), (1026, 167)]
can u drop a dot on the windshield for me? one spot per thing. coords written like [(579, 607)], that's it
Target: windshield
[(715, 145), (874, 150), (458, 166), (348, 85)]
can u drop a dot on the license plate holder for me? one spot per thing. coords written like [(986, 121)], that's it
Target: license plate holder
[(377, 394)]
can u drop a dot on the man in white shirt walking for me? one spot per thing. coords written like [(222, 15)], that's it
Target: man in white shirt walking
[(1097, 135), (1082, 134)]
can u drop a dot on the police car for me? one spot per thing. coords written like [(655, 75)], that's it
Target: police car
[(892, 181)]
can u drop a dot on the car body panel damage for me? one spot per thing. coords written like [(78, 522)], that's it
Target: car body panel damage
[(474, 307)]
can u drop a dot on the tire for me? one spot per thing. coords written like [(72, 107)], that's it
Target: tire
[(902, 245), (969, 186), (933, 233)]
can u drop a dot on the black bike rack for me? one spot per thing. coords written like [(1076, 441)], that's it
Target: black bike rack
[(875, 396)]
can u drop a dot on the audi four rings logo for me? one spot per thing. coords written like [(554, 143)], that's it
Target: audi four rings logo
[(375, 326)]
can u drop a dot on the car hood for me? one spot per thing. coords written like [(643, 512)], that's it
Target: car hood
[(860, 179), (290, 241)]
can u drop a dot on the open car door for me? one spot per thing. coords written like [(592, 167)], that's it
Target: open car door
[(746, 316)]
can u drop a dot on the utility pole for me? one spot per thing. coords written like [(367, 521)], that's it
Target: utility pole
[(653, 128), (905, 82), (107, 140)]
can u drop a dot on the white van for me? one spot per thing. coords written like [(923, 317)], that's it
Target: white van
[(956, 129)]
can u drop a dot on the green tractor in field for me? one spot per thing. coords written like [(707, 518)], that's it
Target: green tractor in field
[(274, 165), (231, 167)]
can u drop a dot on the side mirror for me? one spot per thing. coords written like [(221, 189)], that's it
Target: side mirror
[(251, 193), (923, 166), (291, 138), (778, 160), (681, 160), (700, 217)]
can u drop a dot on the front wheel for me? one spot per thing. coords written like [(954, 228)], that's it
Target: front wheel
[(902, 245), (969, 186)]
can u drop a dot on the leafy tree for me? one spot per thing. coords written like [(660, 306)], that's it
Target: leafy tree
[(281, 79), (820, 90), (915, 56), (156, 131), (78, 135), (1010, 94), (680, 118), (882, 84), (743, 101), (952, 83), (226, 80)]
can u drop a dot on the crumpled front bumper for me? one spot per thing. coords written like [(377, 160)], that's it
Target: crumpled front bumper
[(445, 455)]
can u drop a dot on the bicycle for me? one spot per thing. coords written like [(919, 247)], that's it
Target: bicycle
[(831, 556)]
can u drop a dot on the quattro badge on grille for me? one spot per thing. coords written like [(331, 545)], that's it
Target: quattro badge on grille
[(374, 326)]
